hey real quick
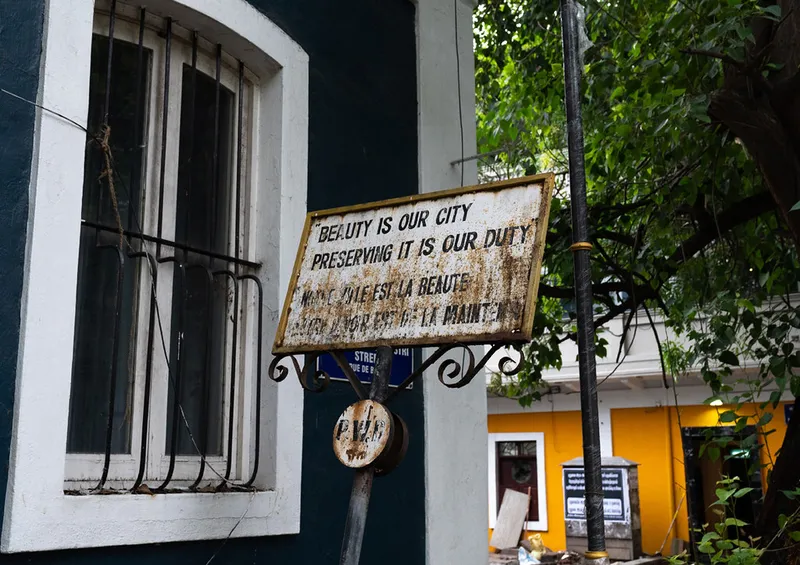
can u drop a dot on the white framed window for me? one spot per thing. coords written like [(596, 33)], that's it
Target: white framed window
[(125, 382), (516, 462), (201, 317)]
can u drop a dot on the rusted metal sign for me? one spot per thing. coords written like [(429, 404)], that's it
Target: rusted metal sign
[(454, 266), (362, 433)]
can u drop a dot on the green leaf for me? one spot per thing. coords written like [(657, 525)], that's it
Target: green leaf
[(795, 207), (724, 494), (742, 491), (728, 416), (774, 11), (729, 358), (744, 32), (735, 522), (617, 92), (794, 386), (777, 366)]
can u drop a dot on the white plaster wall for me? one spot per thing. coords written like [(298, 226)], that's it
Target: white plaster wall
[(456, 469), (694, 395)]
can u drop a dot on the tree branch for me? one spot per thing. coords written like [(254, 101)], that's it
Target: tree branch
[(739, 213), (568, 292), (623, 238), (714, 55)]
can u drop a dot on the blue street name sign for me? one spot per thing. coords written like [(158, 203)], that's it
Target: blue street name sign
[(363, 363)]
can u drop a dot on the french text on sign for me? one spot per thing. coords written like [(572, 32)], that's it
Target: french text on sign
[(456, 266), (363, 364)]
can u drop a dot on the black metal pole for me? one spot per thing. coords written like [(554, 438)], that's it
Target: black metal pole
[(362, 483), (581, 249)]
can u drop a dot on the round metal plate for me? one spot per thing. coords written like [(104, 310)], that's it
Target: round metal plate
[(362, 433)]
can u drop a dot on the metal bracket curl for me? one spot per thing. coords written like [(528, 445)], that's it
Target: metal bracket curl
[(451, 368), (319, 379), (515, 369)]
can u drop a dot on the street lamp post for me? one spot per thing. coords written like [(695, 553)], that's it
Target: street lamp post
[(581, 248)]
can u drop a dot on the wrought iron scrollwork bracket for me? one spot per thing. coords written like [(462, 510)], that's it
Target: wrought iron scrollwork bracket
[(451, 372)]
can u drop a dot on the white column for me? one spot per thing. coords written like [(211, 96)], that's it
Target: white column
[(456, 471)]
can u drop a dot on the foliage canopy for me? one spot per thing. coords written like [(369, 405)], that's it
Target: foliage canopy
[(689, 186)]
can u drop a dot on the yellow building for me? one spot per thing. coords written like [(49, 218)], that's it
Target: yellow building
[(659, 428)]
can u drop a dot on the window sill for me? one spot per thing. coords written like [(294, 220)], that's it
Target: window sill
[(73, 522)]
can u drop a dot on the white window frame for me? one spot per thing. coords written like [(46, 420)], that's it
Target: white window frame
[(83, 469), (539, 525), (38, 514)]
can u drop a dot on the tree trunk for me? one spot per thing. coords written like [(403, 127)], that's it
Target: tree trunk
[(764, 114), (785, 476)]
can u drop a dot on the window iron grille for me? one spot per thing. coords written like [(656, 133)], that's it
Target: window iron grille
[(114, 235)]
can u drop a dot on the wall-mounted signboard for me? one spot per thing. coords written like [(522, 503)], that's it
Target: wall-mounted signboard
[(454, 266), (362, 361), (615, 495)]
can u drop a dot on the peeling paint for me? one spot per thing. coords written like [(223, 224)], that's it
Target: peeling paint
[(453, 266), (362, 433)]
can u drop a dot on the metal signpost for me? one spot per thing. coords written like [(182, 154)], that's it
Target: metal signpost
[(444, 269), (583, 285)]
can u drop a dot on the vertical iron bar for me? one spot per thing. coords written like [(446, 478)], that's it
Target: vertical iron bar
[(362, 483), (132, 207), (112, 393), (212, 228), (164, 116), (234, 352), (232, 280), (176, 385), (204, 429), (215, 184), (260, 307), (112, 18), (190, 161), (583, 287), (136, 171), (148, 375), (239, 148)]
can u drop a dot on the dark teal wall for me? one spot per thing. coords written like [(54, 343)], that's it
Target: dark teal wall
[(363, 146)]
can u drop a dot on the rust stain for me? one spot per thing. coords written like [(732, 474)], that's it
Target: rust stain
[(369, 304), (362, 433)]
